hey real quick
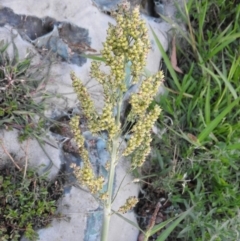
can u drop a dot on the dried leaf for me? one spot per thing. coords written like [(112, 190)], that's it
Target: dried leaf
[(141, 237), (174, 57)]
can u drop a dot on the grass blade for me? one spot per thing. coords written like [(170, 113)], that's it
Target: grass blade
[(235, 146), (166, 60), (207, 105), (235, 65), (159, 226), (225, 41), (202, 10), (3, 47), (224, 78), (226, 81), (213, 124), (93, 57), (164, 235)]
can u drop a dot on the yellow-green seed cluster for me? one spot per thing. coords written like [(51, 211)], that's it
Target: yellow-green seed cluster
[(148, 89), (86, 178), (96, 123), (78, 137), (105, 80), (139, 143), (127, 41), (85, 101), (130, 203), (138, 157), (84, 175), (110, 90), (103, 196), (107, 121), (141, 130)]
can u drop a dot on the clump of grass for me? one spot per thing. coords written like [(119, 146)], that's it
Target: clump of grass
[(21, 83), (201, 122), (27, 202)]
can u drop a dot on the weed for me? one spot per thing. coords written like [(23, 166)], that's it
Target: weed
[(20, 83), (26, 203), (27, 200), (124, 53)]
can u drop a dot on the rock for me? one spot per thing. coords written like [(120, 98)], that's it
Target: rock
[(30, 151)]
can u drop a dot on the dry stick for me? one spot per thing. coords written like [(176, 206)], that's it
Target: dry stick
[(174, 159), (89, 87), (26, 160), (5, 150), (154, 216), (152, 221)]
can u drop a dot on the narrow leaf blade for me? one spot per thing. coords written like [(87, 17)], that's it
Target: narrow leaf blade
[(213, 124), (167, 231)]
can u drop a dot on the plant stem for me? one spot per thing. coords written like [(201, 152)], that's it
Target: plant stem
[(146, 238), (108, 203)]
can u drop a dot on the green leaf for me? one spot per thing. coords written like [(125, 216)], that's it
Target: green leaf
[(226, 81), (159, 227), (93, 57), (223, 42), (202, 20), (15, 59), (235, 146), (164, 235), (234, 67), (213, 124), (207, 105)]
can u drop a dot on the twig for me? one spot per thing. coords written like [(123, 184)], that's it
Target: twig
[(152, 221), (26, 160), (154, 216), (174, 159), (49, 166), (5, 150)]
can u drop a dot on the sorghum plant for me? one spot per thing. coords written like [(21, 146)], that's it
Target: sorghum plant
[(126, 44)]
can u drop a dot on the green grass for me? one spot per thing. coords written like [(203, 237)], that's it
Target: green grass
[(27, 202), (22, 92), (203, 106)]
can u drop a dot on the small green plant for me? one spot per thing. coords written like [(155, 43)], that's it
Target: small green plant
[(124, 52), (21, 82), (26, 203)]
